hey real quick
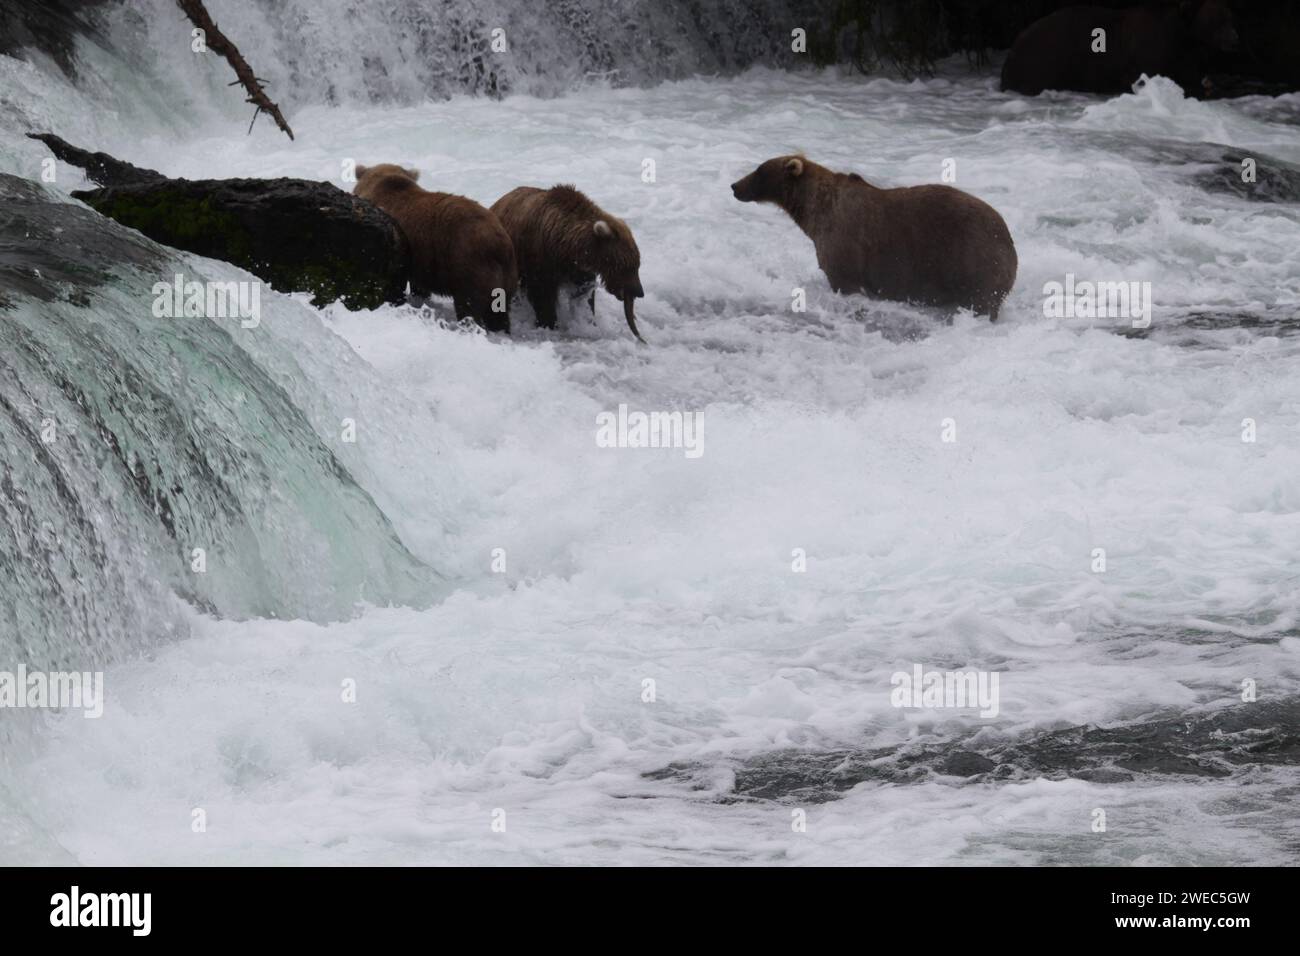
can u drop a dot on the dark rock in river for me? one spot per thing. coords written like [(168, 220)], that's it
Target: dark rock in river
[(50, 26), (1200, 745), (1275, 180), (299, 236)]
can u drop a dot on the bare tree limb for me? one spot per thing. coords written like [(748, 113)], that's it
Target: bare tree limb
[(100, 167), (218, 43)]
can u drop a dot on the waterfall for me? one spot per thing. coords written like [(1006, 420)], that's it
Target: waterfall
[(145, 457), (355, 51)]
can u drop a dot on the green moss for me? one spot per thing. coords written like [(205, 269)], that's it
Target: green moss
[(175, 219), (178, 220), (337, 279)]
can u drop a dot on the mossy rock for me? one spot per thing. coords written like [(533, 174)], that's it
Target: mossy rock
[(297, 235)]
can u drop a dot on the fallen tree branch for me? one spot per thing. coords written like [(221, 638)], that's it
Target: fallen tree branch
[(218, 43), (100, 167)]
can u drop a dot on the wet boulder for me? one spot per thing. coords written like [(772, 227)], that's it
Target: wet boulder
[(296, 234)]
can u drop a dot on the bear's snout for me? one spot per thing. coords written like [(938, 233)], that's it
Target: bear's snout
[(738, 190)]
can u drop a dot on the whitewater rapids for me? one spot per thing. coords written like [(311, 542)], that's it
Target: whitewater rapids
[(523, 691)]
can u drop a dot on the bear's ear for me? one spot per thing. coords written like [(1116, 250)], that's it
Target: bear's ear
[(413, 173), (794, 167), (601, 228)]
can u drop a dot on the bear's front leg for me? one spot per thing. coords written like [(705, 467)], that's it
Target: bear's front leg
[(481, 311), (587, 290), (542, 298)]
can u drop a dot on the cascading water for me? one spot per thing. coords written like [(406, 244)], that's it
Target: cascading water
[(144, 455), (352, 52)]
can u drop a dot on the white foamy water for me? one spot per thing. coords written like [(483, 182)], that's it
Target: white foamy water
[(523, 691)]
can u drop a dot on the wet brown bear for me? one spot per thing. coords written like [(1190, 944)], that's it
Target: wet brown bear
[(1173, 40), (458, 247), (930, 244), (561, 237)]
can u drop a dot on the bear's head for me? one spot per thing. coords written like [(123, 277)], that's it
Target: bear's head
[(614, 256), (610, 251), (383, 171), (1212, 23), (773, 181)]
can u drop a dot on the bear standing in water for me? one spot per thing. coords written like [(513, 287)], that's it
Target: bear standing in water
[(563, 238), (1060, 51), (934, 245), (458, 247)]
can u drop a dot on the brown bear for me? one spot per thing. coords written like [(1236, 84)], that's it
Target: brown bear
[(1173, 40), (561, 237), (929, 244), (458, 247)]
